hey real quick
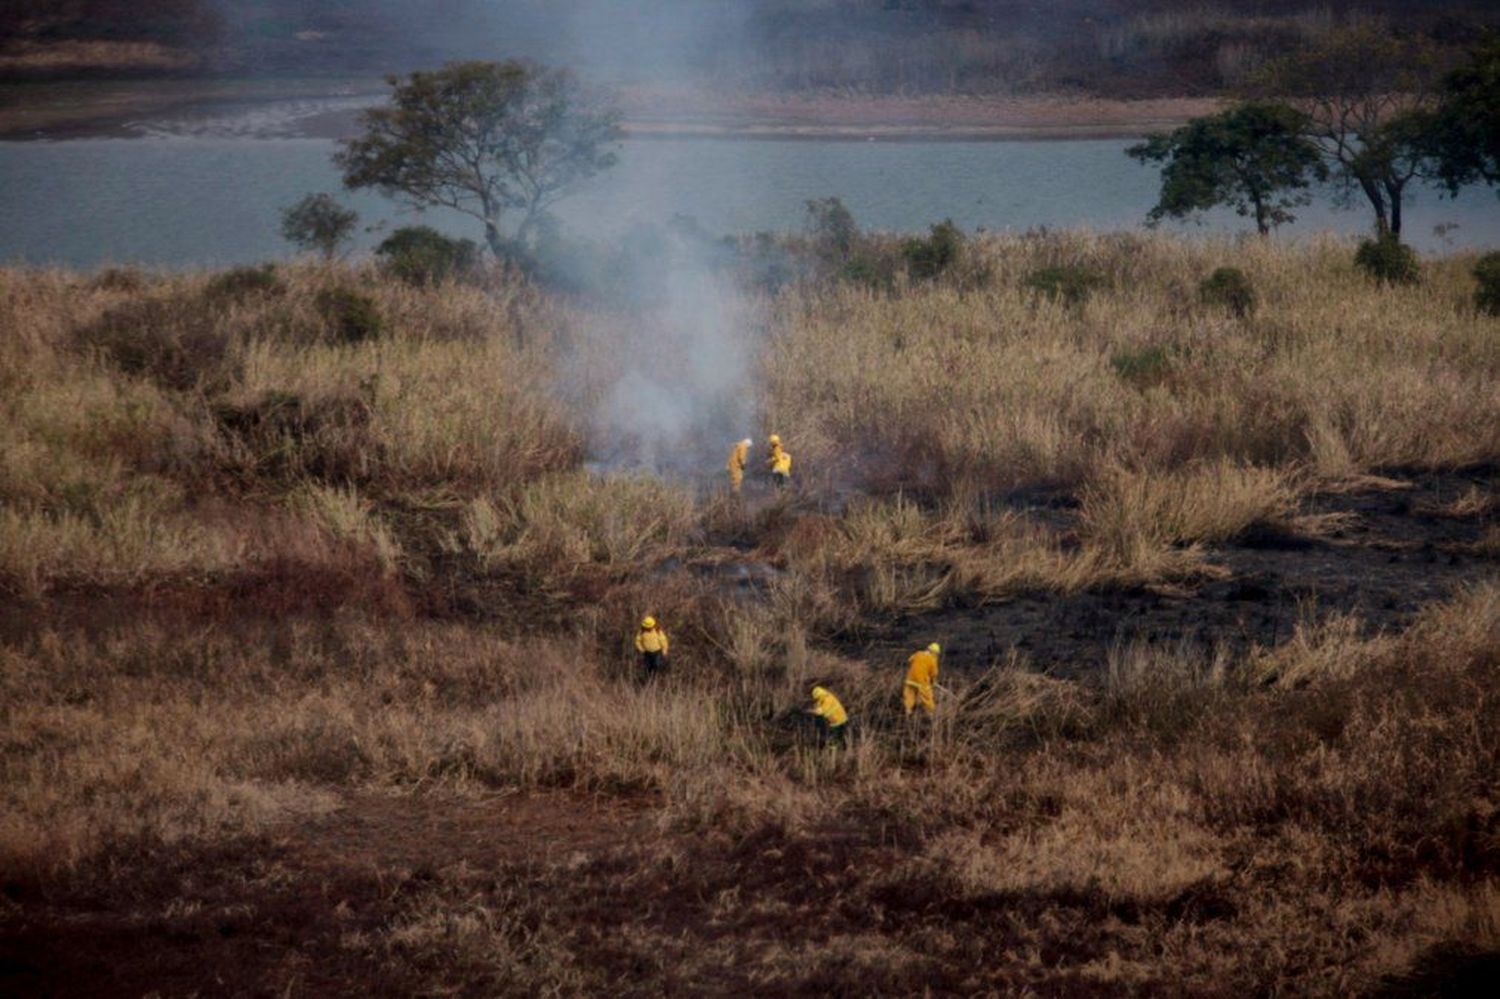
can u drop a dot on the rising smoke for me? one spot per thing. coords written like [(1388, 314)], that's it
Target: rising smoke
[(677, 388), (683, 387)]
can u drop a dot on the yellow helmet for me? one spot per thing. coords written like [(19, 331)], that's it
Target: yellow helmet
[(819, 692), (774, 439), (648, 622), (935, 648)]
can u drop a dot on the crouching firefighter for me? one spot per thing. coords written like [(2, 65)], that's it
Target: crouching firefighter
[(651, 642), (833, 720), (779, 461)]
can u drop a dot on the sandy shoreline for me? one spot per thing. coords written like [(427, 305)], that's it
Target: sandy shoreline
[(330, 110)]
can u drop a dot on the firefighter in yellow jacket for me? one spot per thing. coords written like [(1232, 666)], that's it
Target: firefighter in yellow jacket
[(739, 456), (830, 714), (651, 642), (921, 674), (779, 461)]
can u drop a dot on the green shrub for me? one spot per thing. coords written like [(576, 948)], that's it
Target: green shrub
[(1487, 273), (351, 317), (1069, 283), (832, 228), (1230, 289), (421, 255), (244, 282), (175, 342), (1143, 368), (1388, 260), (870, 268), (928, 258), (118, 279)]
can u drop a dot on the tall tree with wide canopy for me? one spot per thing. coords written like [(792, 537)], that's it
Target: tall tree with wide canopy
[(485, 139), (1367, 97), (1466, 133), (1253, 158)]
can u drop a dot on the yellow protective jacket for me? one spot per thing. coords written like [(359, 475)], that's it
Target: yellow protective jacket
[(652, 640), (780, 462), (738, 456), (922, 669), (828, 707)]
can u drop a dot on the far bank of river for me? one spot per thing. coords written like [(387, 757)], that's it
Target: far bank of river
[(329, 108), (212, 200)]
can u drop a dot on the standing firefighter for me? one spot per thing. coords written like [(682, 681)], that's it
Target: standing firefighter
[(832, 717), (921, 674), (739, 455), (651, 642), (779, 461)]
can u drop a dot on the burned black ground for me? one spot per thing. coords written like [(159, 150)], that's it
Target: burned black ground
[(1390, 548)]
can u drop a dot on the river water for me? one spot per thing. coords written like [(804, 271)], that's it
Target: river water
[(207, 200)]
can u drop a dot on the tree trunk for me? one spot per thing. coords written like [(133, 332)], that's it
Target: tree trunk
[(496, 239), (1393, 192), (1378, 202), (1260, 214)]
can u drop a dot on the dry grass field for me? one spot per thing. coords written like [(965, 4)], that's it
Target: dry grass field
[(315, 673)]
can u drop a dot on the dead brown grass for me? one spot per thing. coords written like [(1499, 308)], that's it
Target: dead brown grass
[(266, 573)]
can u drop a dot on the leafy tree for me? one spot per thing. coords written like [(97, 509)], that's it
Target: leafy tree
[(318, 222), (1466, 133), (1254, 158), (1367, 98), (484, 139), (833, 227)]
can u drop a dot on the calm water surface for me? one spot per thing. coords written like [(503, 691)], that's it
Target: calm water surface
[(179, 201)]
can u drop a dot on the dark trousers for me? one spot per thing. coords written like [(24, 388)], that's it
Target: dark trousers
[(781, 479), (833, 735), (653, 663)]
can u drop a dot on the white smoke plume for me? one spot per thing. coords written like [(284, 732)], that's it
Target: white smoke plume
[(677, 387), (671, 393)]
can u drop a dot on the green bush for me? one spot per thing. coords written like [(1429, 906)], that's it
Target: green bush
[(1388, 260), (1144, 367), (872, 269), (1068, 283), (832, 227), (1487, 273), (351, 317), (118, 279), (175, 342), (421, 255), (244, 282), (928, 258), (1229, 288)]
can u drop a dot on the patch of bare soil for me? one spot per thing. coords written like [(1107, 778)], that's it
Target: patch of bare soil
[(638, 913), (1392, 548), (275, 916)]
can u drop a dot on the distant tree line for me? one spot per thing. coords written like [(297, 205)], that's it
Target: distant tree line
[(1367, 111), (1370, 112), (1116, 47), (170, 22)]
